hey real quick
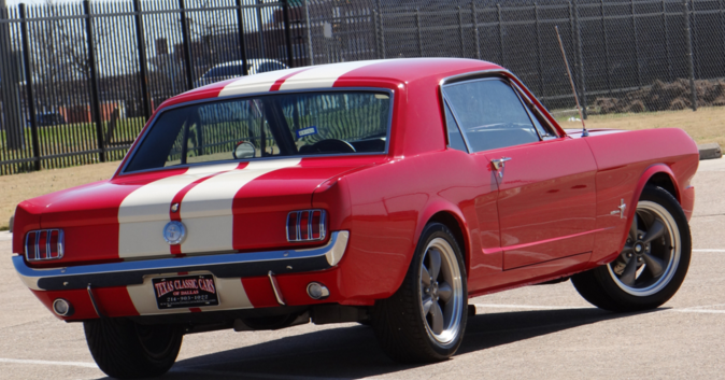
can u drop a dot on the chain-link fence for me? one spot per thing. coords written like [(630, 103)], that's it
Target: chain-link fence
[(78, 80)]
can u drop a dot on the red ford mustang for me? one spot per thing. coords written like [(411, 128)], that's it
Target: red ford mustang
[(379, 192)]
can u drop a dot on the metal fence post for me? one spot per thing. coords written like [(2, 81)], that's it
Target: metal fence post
[(142, 59), (476, 38), (420, 36), (500, 35), (187, 46), (287, 33), (381, 25), (10, 73), (538, 50), (580, 54), (29, 86), (242, 44), (689, 56), (93, 73), (606, 47), (636, 43), (310, 51), (460, 31), (667, 39)]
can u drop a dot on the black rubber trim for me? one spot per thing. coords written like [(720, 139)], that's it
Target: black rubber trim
[(136, 277)]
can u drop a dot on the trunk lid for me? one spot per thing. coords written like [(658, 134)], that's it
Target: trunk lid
[(224, 208)]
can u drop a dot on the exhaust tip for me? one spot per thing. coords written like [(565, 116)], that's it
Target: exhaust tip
[(62, 307), (317, 291)]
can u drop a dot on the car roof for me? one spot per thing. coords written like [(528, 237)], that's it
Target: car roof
[(254, 61), (388, 73)]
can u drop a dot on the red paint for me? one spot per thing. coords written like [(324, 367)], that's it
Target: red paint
[(549, 216), (260, 292)]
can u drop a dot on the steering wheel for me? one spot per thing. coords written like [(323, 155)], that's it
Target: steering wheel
[(330, 146)]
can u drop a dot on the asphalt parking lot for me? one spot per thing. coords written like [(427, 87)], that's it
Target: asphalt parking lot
[(537, 332)]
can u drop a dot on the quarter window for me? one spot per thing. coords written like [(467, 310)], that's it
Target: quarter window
[(490, 114), (455, 140)]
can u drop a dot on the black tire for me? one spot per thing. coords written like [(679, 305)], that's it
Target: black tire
[(126, 350), (399, 322), (606, 289)]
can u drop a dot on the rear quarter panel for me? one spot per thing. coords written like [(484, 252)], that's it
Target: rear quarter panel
[(386, 207), (626, 161)]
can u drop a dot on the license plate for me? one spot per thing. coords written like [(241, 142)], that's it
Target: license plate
[(188, 291)]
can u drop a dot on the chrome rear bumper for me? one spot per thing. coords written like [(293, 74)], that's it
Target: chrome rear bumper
[(230, 265)]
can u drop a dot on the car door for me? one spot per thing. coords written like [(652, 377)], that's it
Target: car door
[(546, 183)]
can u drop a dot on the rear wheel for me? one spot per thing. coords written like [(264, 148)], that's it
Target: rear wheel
[(653, 263), (425, 319), (127, 350)]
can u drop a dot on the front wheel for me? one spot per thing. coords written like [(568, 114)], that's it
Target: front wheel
[(425, 319), (653, 263), (127, 350)]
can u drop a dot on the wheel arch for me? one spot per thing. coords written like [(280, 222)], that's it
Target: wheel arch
[(659, 175), (451, 217)]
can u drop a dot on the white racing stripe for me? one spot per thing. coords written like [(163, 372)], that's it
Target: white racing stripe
[(144, 213), (48, 362), (207, 208), (255, 83), (322, 76)]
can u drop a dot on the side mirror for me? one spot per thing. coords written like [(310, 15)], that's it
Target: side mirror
[(244, 149)]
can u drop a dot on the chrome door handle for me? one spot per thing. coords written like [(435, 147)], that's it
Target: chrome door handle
[(500, 163)]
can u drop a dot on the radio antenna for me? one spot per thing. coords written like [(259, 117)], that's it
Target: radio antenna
[(585, 133)]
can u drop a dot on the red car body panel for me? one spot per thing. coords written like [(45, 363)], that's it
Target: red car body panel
[(549, 216)]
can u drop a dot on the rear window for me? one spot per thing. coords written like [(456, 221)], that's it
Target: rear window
[(299, 124)]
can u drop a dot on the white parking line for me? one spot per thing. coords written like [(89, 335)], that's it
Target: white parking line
[(524, 307), (47, 362), (709, 250), (173, 369), (247, 375), (695, 309)]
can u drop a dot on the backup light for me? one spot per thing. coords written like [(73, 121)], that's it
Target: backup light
[(317, 291), (62, 307), (306, 225), (42, 245)]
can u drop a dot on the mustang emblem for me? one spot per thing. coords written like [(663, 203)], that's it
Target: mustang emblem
[(620, 210), (174, 232)]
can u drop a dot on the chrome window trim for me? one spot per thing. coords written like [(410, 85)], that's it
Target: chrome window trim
[(475, 79), (139, 140), (532, 108), (229, 265), (517, 83), (458, 124)]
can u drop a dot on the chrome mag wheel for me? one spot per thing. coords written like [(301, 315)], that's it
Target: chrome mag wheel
[(651, 254), (441, 292)]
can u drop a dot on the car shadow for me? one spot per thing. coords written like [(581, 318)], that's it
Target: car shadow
[(351, 352)]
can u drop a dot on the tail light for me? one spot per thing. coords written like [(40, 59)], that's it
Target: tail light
[(306, 225), (41, 245)]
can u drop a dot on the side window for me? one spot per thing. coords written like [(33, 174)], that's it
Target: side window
[(490, 114), (455, 140)]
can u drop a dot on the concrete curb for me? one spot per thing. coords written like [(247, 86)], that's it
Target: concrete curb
[(708, 151)]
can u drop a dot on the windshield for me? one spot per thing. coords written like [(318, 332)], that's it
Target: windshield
[(300, 124)]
